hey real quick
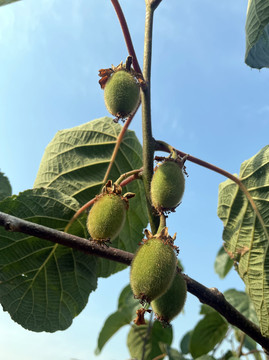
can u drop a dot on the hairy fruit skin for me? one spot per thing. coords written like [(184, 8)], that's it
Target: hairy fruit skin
[(122, 93), (170, 304), (107, 217), (167, 186), (152, 269)]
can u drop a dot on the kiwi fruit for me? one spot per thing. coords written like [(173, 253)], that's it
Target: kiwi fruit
[(121, 93), (167, 186), (170, 304), (153, 266), (108, 213)]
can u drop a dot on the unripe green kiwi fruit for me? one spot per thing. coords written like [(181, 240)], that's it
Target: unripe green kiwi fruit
[(152, 269), (107, 216), (122, 93), (167, 186), (170, 304)]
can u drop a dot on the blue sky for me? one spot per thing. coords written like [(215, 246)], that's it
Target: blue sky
[(205, 102)]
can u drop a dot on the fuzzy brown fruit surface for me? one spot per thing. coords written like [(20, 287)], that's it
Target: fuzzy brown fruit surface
[(152, 269), (122, 94), (167, 186), (170, 304)]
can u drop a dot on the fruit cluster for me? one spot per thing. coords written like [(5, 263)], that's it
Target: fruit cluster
[(154, 278)]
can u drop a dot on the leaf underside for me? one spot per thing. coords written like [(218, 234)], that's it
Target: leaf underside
[(43, 285), (75, 162), (246, 238), (257, 34)]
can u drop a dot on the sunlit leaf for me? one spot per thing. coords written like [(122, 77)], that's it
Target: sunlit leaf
[(43, 285), (207, 334), (246, 237), (5, 187), (75, 162), (257, 34)]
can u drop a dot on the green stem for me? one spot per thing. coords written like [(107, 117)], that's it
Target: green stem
[(126, 175), (162, 223), (148, 141), (163, 146)]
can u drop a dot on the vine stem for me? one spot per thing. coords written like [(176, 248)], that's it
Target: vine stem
[(148, 141), (162, 146), (211, 297)]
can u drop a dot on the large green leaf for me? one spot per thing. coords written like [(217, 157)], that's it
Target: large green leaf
[(6, 2), (75, 163), (241, 301), (246, 238), (207, 334), (139, 338), (257, 34), (126, 312), (5, 187), (43, 285)]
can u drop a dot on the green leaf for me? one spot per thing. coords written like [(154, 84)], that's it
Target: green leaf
[(128, 302), (205, 357), (138, 337), (246, 238), (185, 342), (6, 2), (127, 307), (75, 162), (223, 263), (5, 187), (172, 354), (206, 309), (257, 34), (112, 324), (43, 285), (241, 301), (207, 334), (229, 354)]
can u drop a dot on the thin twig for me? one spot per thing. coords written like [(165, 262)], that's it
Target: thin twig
[(126, 35), (163, 146), (147, 335)]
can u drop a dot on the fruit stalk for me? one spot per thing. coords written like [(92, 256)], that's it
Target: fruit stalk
[(126, 34)]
